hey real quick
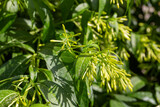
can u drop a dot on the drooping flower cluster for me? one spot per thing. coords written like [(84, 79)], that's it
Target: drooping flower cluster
[(105, 66)]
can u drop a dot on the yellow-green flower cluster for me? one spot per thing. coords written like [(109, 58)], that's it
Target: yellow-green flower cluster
[(111, 27), (68, 42), (90, 72), (148, 50), (111, 75), (123, 53)]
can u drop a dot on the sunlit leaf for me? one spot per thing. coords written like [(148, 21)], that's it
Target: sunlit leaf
[(144, 96), (81, 66), (137, 82), (102, 4), (7, 97), (48, 74), (61, 89)]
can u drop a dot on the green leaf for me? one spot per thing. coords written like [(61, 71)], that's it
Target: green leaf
[(102, 4), (90, 92), (46, 18), (6, 21), (48, 74), (7, 83), (13, 67), (62, 92), (82, 94), (16, 35), (138, 83), (54, 63), (7, 97), (144, 96), (66, 6), (67, 57), (124, 98), (24, 24), (91, 44), (84, 23), (115, 103), (135, 43), (81, 65), (128, 4), (16, 44), (39, 105), (85, 18), (33, 73), (59, 93)]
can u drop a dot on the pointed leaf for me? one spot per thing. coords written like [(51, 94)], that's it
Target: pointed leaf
[(15, 66), (84, 23), (81, 66), (33, 73), (16, 44), (102, 4)]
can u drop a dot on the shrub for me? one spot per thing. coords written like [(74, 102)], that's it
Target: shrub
[(66, 53)]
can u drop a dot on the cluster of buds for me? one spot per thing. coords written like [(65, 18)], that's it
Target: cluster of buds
[(147, 50), (112, 77), (110, 26), (124, 54), (91, 70)]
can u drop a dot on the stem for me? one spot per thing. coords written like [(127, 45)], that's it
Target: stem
[(38, 93), (37, 59)]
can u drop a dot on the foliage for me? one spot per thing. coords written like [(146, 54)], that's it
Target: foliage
[(68, 53)]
